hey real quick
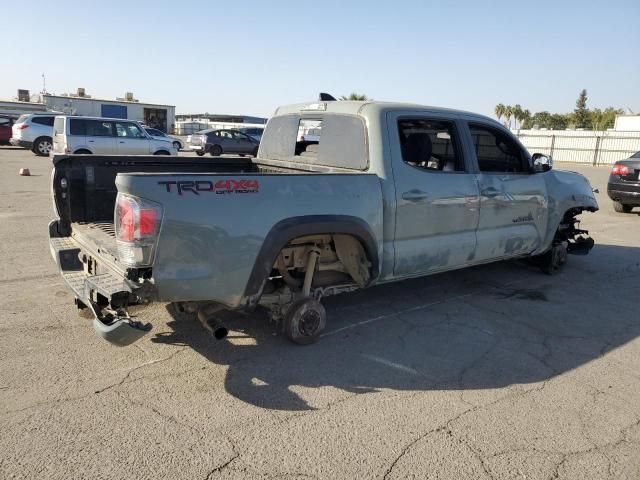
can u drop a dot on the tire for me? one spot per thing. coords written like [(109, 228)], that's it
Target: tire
[(554, 260), (199, 153), (82, 151), (42, 146), (177, 146), (305, 320), (162, 152), (621, 207), (215, 151)]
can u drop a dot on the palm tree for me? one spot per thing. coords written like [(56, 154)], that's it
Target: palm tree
[(356, 96), (526, 115), (499, 111), (508, 112), (517, 115)]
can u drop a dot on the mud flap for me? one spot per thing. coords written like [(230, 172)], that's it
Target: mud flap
[(120, 332)]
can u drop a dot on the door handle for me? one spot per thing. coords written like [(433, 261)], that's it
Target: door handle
[(490, 192), (91, 141), (121, 141), (414, 195)]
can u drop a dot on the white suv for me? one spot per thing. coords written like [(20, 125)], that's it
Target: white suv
[(106, 136), (33, 131)]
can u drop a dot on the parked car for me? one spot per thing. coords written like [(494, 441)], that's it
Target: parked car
[(34, 131), (391, 191), (624, 184), (160, 135), (106, 136), (218, 142), (253, 132), (6, 122)]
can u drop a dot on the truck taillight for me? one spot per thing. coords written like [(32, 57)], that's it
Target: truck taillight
[(620, 170), (137, 223)]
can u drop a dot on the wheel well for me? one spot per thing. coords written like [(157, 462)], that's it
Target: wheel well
[(82, 151), (41, 137), (325, 228), (162, 152)]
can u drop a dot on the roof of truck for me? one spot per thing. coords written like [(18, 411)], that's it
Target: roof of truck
[(365, 108)]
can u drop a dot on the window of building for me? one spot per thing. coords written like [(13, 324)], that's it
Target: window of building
[(431, 145)]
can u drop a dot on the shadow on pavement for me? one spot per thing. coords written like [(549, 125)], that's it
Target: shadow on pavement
[(481, 328)]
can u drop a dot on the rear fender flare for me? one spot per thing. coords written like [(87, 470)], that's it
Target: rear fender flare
[(286, 230)]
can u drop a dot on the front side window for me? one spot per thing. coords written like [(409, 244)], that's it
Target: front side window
[(128, 130), (496, 151), (97, 128), (431, 145)]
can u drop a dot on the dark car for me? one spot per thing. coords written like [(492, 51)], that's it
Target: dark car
[(6, 122), (624, 184), (218, 142)]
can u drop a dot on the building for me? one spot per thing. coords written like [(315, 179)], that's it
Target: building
[(186, 124), (627, 123), (155, 115), (17, 108)]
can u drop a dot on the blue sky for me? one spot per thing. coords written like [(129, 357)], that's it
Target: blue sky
[(251, 56)]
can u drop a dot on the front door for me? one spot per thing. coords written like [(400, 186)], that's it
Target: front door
[(131, 139), (436, 195), (513, 204)]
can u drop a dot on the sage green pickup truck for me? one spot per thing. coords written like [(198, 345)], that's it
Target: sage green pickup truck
[(377, 192)]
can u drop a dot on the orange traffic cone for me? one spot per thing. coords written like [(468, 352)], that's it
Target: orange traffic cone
[(25, 172)]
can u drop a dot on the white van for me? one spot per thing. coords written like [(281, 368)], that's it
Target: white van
[(105, 136)]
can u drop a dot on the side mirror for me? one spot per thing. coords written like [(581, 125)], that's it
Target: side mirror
[(541, 162)]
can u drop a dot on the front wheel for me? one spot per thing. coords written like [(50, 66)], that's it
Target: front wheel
[(305, 320), (42, 147), (177, 146), (200, 153), (621, 207), (554, 260)]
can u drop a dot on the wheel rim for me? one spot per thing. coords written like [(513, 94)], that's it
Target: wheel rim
[(176, 145), (309, 323), (44, 147)]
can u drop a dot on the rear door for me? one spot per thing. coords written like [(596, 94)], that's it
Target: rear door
[(436, 194), (131, 139), (513, 199), (100, 136), (243, 143)]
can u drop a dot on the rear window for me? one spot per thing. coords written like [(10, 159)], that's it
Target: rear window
[(48, 121), (22, 118), (58, 125), (331, 140)]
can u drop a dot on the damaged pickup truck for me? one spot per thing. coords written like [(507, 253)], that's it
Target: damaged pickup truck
[(383, 192)]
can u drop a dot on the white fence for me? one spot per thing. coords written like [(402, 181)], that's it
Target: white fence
[(581, 146)]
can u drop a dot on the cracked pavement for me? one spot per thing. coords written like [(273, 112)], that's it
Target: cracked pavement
[(493, 372)]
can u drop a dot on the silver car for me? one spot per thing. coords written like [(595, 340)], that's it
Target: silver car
[(34, 131), (219, 142), (160, 135)]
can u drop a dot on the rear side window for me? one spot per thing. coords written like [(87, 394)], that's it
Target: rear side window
[(430, 145), (48, 121), (496, 151), (77, 126), (98, 128), (22, 118), (58, 126)]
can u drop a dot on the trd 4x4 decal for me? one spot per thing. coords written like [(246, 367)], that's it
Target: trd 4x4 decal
[(220, 187)]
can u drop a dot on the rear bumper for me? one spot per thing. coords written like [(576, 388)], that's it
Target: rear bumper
[(107, 294), (628, 194), (21, 143), (196, 148)]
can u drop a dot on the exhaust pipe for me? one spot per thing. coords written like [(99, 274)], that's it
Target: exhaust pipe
[(211, 325)]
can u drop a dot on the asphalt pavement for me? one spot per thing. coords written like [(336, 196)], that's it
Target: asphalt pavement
[(496, 372)]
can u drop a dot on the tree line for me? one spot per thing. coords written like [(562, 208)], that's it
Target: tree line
[(581, 117)]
